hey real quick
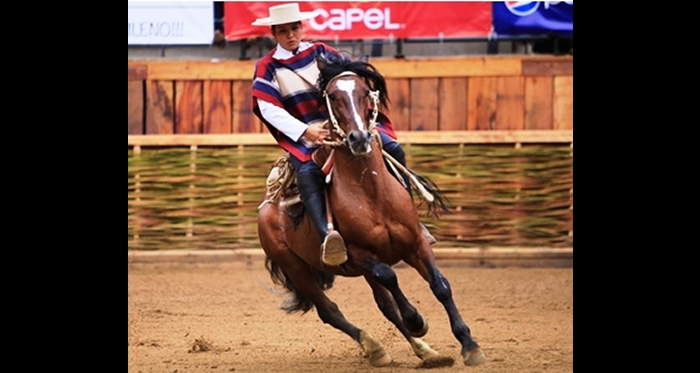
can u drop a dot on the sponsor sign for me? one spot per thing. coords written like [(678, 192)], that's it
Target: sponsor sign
[(533, 17), (171, 22), (341, 20)]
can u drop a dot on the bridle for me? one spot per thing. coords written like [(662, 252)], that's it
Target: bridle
[(342, 139)]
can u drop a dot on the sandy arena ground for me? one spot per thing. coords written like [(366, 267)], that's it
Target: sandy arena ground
[(224, 316)]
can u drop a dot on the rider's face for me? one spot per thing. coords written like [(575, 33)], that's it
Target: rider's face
[(288, 35)]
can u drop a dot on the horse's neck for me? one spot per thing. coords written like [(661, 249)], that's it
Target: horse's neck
[(368, 170)]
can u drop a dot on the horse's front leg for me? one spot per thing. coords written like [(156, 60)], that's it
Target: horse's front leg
[(409, 318), (396, 308), (471, 352)]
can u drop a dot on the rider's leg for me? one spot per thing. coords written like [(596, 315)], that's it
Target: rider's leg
[(396, 151), (311, 184)]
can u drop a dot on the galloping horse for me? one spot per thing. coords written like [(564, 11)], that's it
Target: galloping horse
[(375, 215)]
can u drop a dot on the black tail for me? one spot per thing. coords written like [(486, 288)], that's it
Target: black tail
[(298, 302), (439, 203)]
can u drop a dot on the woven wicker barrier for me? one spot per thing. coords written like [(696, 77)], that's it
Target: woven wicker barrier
[(206, 198)]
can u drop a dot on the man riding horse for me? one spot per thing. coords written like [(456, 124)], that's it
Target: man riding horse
[(286, 99)]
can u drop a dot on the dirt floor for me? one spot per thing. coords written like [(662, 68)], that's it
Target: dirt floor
[(225, 317)]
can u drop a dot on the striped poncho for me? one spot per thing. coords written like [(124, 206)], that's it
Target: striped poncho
[(291, 85)]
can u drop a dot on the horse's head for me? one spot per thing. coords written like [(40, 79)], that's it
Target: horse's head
[(350, 89)]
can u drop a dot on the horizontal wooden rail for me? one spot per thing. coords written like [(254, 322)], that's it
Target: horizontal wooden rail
[(486, 137), (405, 137), (427, 67)]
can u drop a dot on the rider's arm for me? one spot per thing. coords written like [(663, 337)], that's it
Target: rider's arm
[(290, 126), (282, 120)]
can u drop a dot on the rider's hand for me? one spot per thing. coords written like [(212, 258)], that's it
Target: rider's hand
[(316, 133)]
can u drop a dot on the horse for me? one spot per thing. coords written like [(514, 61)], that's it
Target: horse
[(375, 215)]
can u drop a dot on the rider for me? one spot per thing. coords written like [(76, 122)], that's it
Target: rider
[(285, 98)]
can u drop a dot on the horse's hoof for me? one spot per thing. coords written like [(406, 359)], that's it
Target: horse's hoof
[(422, 349), (380, 358), (374, 351), (334, 251), (474, 357)]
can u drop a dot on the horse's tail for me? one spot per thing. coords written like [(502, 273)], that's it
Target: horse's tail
[(298, 301), (438, 203)]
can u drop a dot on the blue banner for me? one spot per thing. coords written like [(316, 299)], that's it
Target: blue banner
[(515, 18)]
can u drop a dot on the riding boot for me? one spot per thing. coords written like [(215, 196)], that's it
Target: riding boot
[(396, 152), (312, 189)]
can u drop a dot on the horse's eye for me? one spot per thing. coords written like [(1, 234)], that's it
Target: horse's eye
[(332, 97)]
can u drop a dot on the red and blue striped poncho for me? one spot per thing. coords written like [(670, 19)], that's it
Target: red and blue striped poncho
[(290, 84)]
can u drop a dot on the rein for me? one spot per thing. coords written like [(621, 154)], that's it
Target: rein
[(373, 95)]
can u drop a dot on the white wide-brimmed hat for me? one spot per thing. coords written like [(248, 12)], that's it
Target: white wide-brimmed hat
[(285, 13)]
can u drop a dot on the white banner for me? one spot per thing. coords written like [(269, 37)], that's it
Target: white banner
[(171, 22)]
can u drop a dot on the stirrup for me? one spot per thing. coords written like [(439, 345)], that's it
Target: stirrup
[(333, 249), (426, 233)]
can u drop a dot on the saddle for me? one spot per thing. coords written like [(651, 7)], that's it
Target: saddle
[(281, 182)]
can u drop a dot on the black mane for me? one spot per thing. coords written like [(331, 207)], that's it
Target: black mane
[(332, 65)]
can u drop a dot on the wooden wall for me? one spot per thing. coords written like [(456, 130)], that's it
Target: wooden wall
[(428, 94)]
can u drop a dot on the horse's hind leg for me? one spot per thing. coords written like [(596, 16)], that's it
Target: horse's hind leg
[(301, 275), (471, 352)]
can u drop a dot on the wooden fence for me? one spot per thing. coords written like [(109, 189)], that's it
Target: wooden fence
[(460, 103), (507, 189), (509, 93)]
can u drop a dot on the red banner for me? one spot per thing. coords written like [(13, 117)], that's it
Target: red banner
[(368, 19)]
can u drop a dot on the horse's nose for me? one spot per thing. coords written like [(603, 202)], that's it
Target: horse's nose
[(359, 141), (358, 136)]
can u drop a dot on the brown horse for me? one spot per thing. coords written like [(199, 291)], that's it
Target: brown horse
[(376, 217)]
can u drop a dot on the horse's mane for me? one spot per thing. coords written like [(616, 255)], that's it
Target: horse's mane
[(331, 65)]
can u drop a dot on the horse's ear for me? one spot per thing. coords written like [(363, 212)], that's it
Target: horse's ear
[(364, 58)]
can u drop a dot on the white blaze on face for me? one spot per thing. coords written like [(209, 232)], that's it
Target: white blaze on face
[(348, 86)]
